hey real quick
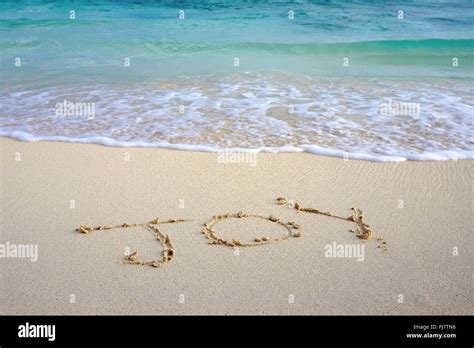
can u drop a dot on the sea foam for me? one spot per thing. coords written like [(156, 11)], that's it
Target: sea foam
[(372, 119)]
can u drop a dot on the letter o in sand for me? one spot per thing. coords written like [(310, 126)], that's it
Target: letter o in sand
[(291, 230)]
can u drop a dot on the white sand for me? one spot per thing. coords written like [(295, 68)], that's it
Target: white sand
[(36, 194)]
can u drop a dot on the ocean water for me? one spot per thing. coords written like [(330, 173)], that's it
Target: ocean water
[(342, 78)]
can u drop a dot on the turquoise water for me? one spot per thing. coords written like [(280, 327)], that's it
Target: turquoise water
[(212, 33), (288, 53)]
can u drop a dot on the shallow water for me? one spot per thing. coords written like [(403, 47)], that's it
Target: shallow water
[(243, 75)]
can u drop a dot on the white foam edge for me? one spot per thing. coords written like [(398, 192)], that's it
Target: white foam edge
[(314, 149)]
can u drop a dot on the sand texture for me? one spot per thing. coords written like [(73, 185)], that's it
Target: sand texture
[(155, 231)]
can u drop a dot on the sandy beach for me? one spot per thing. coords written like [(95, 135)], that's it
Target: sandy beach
[(423, 211)]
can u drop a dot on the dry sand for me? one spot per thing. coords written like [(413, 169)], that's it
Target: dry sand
[(424, 210)]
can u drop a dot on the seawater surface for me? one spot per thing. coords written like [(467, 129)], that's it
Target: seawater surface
[(336, 78)]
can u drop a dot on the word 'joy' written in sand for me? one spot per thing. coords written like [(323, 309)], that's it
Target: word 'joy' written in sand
[(290, 228)]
